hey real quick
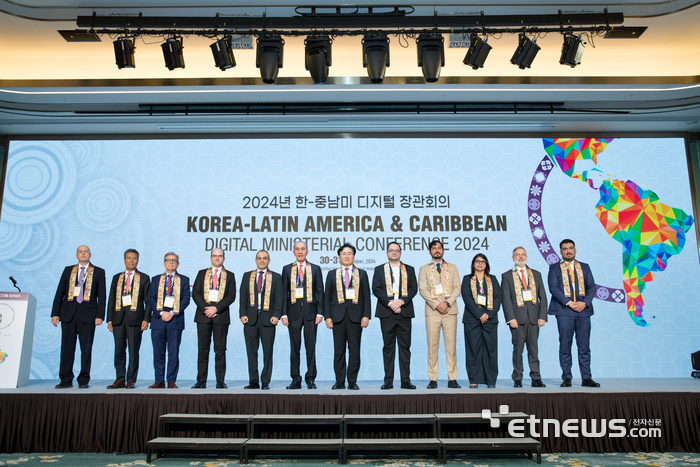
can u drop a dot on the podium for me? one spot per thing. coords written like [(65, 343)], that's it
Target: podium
[(17, 316)]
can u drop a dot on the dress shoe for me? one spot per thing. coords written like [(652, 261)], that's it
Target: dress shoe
[(519, 384), (537, 383), (252, 386), (157, 385), (294, 386), (408, 385), (311, 385), (473, 386), (588, 382), (490, 386), (86, 385), (64, 385), (130, 385), (221, 385), (118, 384), (566, 383), (265, 386), (432, 385), (353, 386), (388, 386), (199, 385), (172, 385), (453, 384), (338, 386)]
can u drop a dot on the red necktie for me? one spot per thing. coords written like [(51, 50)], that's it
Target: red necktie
[(128, 282), (347, 278), (301, 274), (216, 279), (260, 281), (523, 278), (169, 285)]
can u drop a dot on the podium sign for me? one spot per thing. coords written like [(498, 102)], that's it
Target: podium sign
[(17, 315)]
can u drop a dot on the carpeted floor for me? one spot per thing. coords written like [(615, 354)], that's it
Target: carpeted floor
[(654, 459)]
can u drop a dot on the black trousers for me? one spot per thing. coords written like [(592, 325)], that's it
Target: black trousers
[(309, 328), (72, 331), (396, 328), (347, 333), (254, 335), (204, 335), (126, 337), (481, 342)]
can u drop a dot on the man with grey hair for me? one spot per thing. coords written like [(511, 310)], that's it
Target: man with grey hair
[(525, 308), (168, 297)]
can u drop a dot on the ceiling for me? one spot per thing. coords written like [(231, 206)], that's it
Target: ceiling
[(51, 87)]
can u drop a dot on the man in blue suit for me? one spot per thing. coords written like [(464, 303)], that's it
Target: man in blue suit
[(573, 288), (168, 297)]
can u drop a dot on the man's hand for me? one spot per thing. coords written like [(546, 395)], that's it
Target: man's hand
[(329, 323), (210, 311), (274, 321), (109, 326), (513, 324), (540, 322), (577, 306), (144, 325), (285, 321), (244, 320), (166, 316), (55, 320), (396, 305), (365, 322), (98, 321), (484, 318), (442, 308), (319, 318)]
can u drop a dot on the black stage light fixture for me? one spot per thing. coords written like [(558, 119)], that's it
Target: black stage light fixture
[(525, 53), (269, 56), (375, 56), (318, 57), (431, 55), (172, 53), (124, 52), (477, 53), (223, 53), (572, 50)]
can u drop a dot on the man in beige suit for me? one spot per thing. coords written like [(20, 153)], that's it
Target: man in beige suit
[(439, 285)]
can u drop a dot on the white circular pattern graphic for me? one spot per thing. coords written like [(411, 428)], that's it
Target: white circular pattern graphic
[(103, 205), (47, 338), (14, 239), (87, 154), (7, 316), (41, 247), (40, 180)]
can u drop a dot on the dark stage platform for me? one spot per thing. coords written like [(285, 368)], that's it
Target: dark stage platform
[(39, 418)]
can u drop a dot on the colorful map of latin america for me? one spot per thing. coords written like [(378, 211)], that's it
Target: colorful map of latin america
[(650, 232), (3, 356)]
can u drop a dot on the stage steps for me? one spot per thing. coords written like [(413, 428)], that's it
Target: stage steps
[(341, 434)]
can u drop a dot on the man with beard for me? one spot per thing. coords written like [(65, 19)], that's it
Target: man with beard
[(440, 286)]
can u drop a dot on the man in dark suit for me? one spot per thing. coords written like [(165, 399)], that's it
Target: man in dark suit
[(214, 291), (302, 309), (347, 308), (394, 284), (168, 298), (128, 315), (261, 300), (79, 305), (525, 308), (573, 288)]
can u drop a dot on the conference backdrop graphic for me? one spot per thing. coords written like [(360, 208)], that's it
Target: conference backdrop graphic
[(626, 203)]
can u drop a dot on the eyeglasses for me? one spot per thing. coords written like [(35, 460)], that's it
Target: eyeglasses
[(171, 260), (479, 261)]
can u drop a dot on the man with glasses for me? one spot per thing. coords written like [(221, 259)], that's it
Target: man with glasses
[(168, 297), (214, 291), (394, 284)]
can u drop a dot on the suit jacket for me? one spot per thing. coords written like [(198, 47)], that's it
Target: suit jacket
[(178, 321), (292, 310), (529, 311), (355, 312), (472, 311), (115, 315), (383, 298), (557, 306), (251, 309), (223, 316), (87, 312), (431, 302)]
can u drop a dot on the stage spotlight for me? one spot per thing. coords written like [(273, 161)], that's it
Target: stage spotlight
[(525, 53), (477, 53), (269, 56), (572, 50), (318, 57), (223, 53), (124, 52), (375, 56), (431, 55), (172, 52)]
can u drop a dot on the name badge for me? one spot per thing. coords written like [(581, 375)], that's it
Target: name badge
[(126, 300), (481, 300), (169, 302), (349, 294), (76, 291), (213, 295), (438, 289), (299, 292), (527, 295)]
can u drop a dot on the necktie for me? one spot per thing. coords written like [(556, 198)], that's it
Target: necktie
[(216, 279), (573, 282), (523, 278), (301, 273), (81, 281), (169, 285), (127, 286), (260, 281), (438, 266), (347, 278)]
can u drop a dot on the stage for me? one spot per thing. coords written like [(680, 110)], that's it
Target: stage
[(39, 418)]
